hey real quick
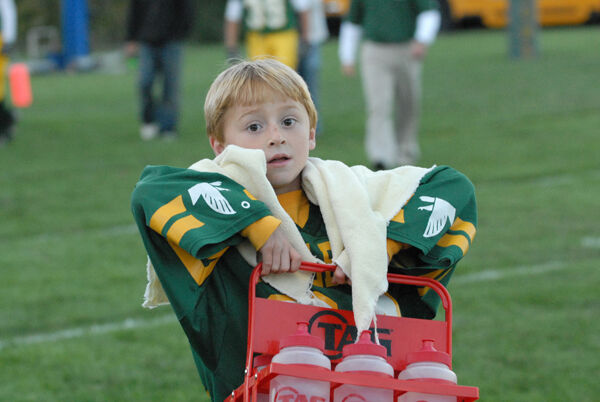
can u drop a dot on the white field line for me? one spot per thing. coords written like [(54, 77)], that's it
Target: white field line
[(132, 324), (564, 178), (497, 274), (79, 332), (590, 242)]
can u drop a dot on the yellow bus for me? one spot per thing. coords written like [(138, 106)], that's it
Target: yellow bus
[(494, 13), (336, 8)]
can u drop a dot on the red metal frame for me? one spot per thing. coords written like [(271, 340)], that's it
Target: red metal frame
[(263, 337)]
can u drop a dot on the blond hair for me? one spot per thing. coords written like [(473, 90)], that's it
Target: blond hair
[(250, 82)]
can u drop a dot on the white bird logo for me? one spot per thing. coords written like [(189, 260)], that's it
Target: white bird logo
[(441, 211), (211, 193)]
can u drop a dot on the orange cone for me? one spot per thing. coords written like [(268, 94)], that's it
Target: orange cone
[(20, 85)]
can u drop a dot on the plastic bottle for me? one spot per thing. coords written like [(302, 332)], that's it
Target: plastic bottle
[(369, 358), (305, 349), (428, 364), (259, 363), (20, 85)]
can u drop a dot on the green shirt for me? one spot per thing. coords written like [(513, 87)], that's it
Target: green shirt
[(190, 222), (388, 21)]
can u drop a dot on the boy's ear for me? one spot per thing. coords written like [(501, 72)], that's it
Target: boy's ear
[(216, 145), (312, 139)]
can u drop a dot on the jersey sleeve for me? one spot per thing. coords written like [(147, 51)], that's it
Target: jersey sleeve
[(199, 212), (440, 219), (439, 223)]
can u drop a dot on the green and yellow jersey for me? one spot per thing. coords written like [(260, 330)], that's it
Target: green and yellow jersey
[(190, 223), (267, 16)]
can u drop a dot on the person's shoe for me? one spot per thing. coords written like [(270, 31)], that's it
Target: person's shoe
[(169, 135), (148, 131)]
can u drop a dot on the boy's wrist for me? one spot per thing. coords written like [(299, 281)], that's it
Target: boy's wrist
[(259, 232)]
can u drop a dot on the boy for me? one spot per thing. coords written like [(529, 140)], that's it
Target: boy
[(203, 230)]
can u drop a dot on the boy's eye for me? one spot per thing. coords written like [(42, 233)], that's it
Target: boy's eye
[(254, 127), (289, 121)]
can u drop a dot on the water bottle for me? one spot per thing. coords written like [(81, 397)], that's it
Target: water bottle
[(305, 349), (259, 363), (367, 358), (428, 364), (20, 85)]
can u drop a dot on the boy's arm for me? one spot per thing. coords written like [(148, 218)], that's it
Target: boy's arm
[(233, 16), (204, 213), (275, 250), (440, 219), (201, 213), (436, 227)]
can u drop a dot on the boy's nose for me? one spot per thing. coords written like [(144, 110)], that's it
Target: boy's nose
[(275, 136)]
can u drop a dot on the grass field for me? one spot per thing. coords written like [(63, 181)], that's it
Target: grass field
[(526, 297)]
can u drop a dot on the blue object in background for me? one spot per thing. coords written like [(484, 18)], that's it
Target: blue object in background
[(75, 34)]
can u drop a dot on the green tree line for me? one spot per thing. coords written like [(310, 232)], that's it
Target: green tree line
[(107, 20)]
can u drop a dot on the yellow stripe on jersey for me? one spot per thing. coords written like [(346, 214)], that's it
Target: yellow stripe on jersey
[(195, 267), (280, 297), (434, 275), (182, 226), (393, 247), (326, 299), (162, 215), (464, 226), (259, 232), (399, 217), (325, 248), (249, 195), (319, 295), (448, 240)]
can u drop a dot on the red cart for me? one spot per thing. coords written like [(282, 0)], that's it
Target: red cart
[(271, 320)]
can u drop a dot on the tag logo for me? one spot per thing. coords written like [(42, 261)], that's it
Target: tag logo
[(441, 211), (337, 333), (211, 194)]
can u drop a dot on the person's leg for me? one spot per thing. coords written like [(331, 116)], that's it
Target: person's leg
[(309, 67), (283, 46), (170, 57), (147, 73), (378, 90), (255, 45), (408, 105), (7, 119)]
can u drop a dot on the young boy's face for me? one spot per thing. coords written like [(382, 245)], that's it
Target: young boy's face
[(280, 127)]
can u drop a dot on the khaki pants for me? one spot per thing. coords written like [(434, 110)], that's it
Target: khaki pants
[(392, 86)]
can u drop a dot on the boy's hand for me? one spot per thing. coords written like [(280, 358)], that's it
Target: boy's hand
[(278, 255), (339, 277)]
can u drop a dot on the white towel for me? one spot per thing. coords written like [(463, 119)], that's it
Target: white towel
[(356, 205)]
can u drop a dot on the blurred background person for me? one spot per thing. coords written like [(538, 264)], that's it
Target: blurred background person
[(309, 64), (8, 35), (397, 35), (272, 28), (155, 31)]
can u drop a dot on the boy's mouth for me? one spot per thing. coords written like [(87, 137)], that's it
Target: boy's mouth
[(278, 158)]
